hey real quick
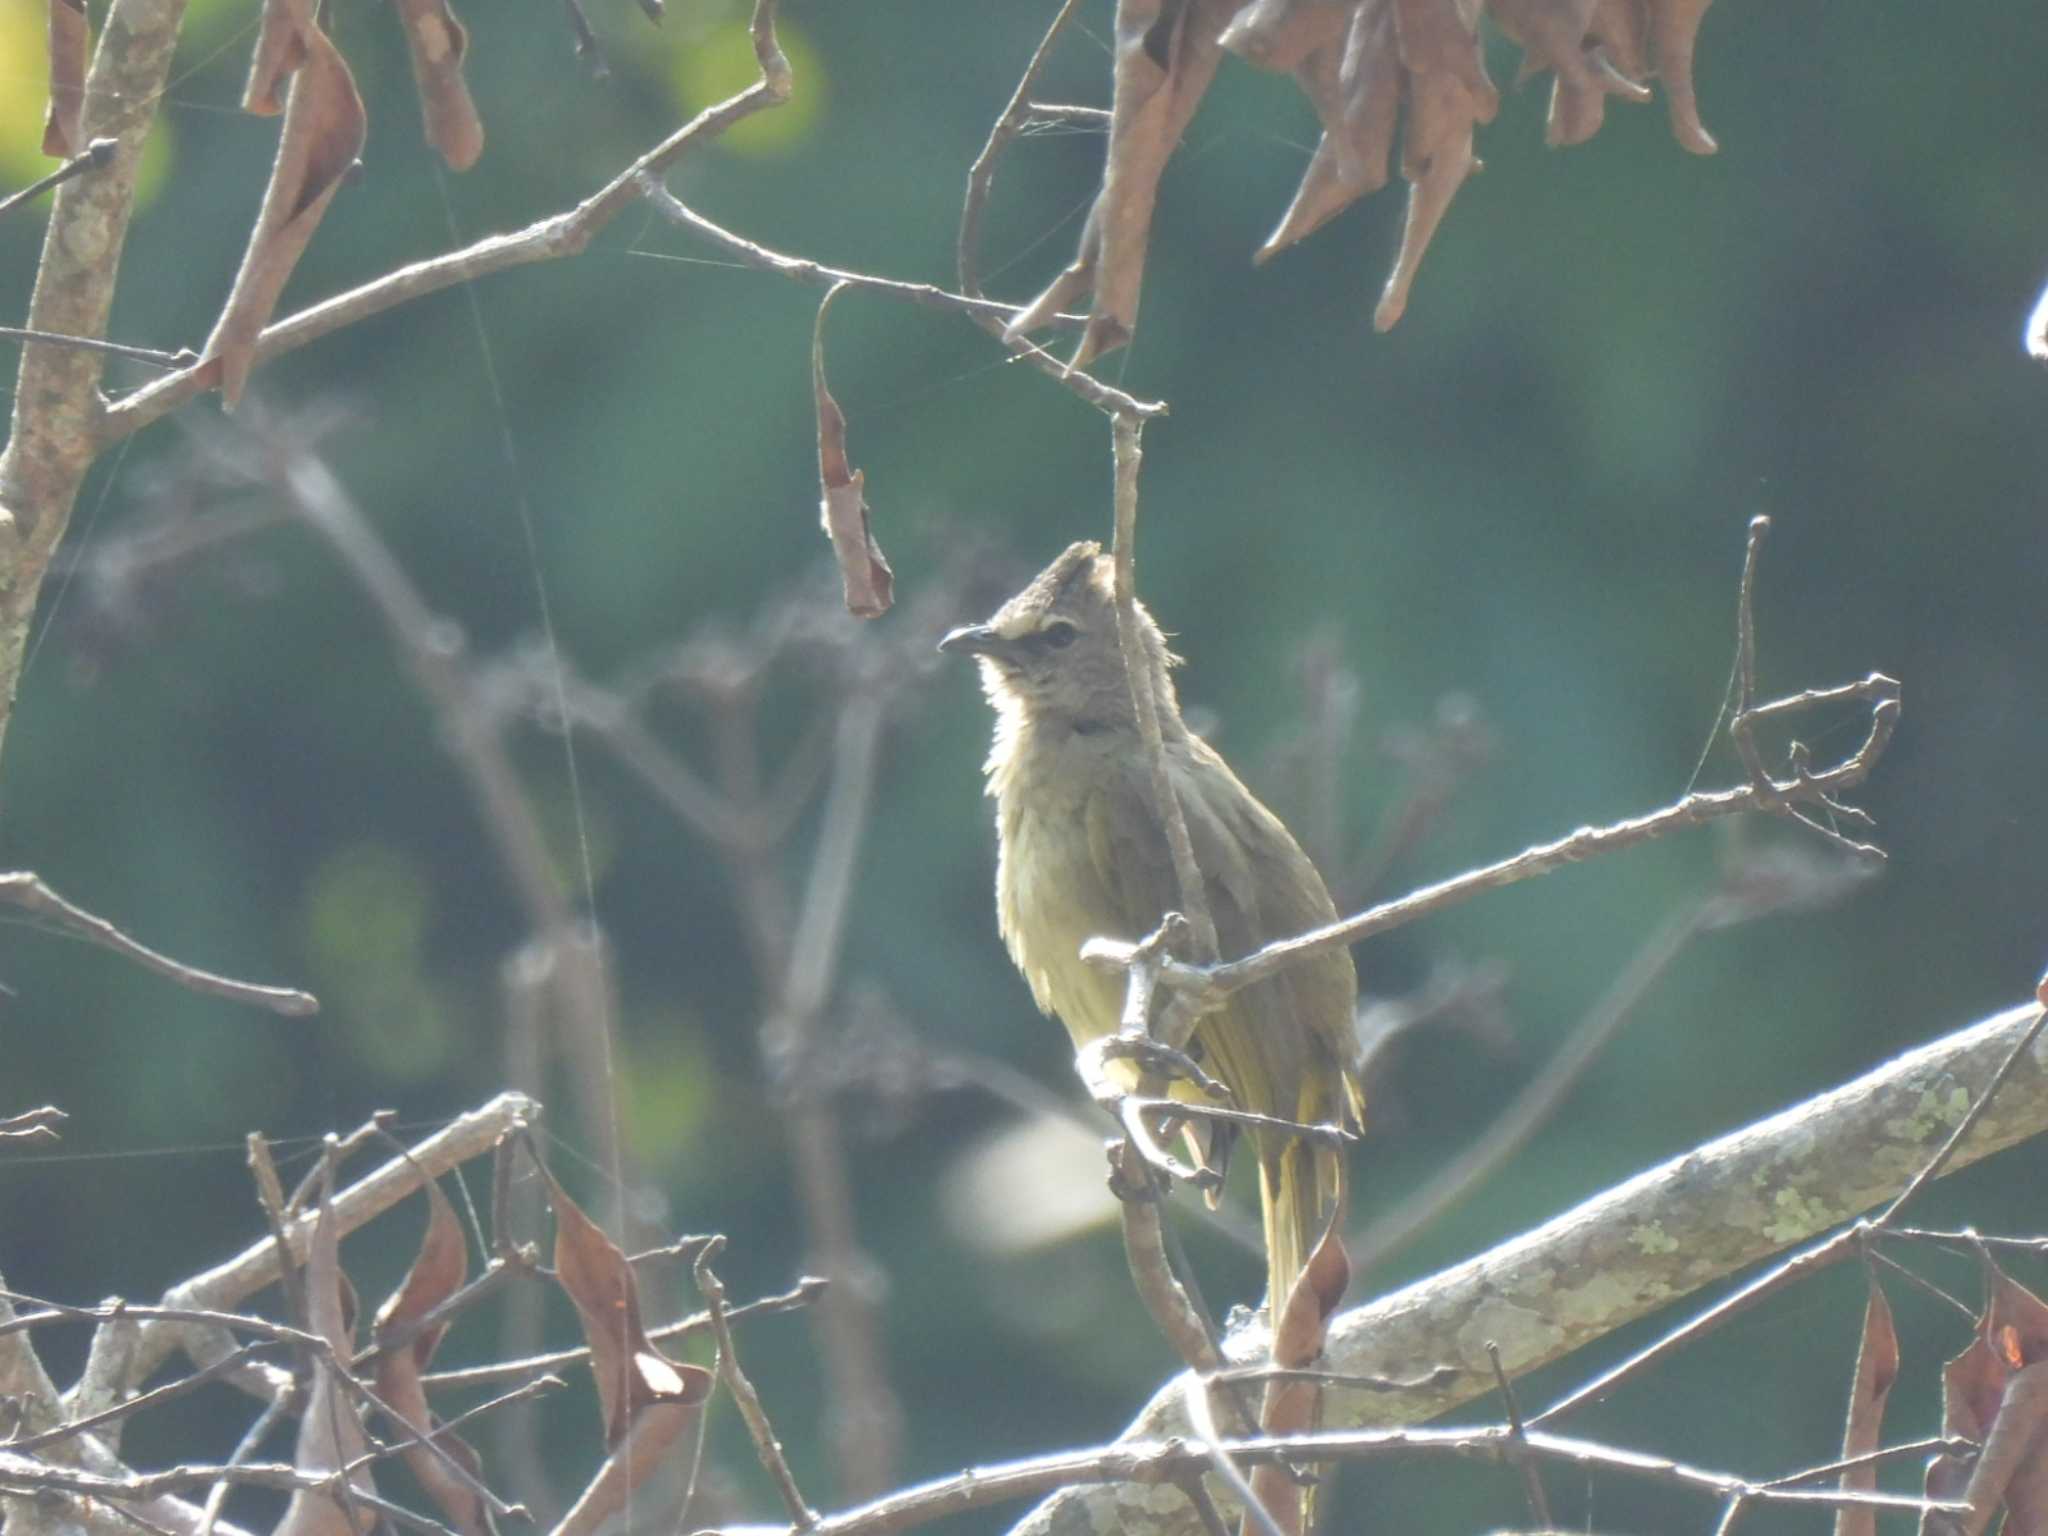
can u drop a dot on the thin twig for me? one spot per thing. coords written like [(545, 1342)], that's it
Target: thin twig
[(24, 889), (766, 1445), (1968, 1123), (252, 1439), (95, 156), (1532, 1475), (1203, 1422), (1588, 842), (981, 175), (1152, 1462), (1507, 1133), (184, 357), (802, 1294), (567, 233), (1125, 434), (985, 312), (201, 1297)]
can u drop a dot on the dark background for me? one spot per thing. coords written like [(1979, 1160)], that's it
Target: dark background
[(1531, 494)]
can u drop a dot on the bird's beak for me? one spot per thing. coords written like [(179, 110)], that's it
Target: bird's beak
[(972, 640)]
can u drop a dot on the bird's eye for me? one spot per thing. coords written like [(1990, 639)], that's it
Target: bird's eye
[(1059, 634)]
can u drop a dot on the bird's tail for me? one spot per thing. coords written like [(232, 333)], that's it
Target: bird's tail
[(1302, 1193)]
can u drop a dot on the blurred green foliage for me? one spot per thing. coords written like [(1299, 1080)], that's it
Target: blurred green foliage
[(1531, 493)]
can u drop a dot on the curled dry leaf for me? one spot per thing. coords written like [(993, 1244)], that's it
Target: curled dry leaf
[(632, 1375), (322, 135), (649, 1401), (1354, 83), (1674, 29), (1300, 1326), (437, 1273), (438, 44), (1996, 1393), (1281, 34), (70, 38), (1166, 55), (1448, 93), (280, 50), (331, 1434), (864, 573), (1356, 61), (1877, 1367)]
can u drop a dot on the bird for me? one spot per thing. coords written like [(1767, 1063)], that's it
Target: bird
[(1082, 853)]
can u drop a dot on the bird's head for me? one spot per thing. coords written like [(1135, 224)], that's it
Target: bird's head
[(1050, 654)]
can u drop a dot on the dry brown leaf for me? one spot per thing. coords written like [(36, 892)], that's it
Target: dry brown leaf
[(1674, 29), (437, 1273), (280, 49), (438, 44), (331, 1434), (70, 39), (1281, 34), (864, 573), (1441, 37), (1300, 1326), (632, 1375), (1166, 55), (322, 135), (1996, 1393), (1448, 94), (1355, 87), (646, 1447), (1877, 1367), (1554, 35)]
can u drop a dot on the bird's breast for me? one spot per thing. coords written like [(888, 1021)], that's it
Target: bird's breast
[(1051, 899)]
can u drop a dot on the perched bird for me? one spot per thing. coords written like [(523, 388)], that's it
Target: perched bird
[(1083, 854)]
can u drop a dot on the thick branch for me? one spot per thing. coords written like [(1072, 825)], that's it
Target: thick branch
[(1639, 1247), (53, 436)]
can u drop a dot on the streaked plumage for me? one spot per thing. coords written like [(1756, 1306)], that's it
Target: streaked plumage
[(1082, 854)]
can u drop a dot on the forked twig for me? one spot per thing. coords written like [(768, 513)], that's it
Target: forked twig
[(766, 1445)]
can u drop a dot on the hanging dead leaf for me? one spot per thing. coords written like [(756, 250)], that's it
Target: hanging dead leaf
[(438, 44), (1280, 34), (322, 135), (1355, 86), (331, 1435), (1674, 29), (632, 1375), (864, 573), (70, 40), (647, 1447), (1995, 1393), (437, 1273), (1300, 1326), (1877, 1367), (1166, 55), (281, 48)]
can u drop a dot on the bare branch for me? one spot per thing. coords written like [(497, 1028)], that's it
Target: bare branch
[(257, 1266), (1148, 1463), (1126, 432), (985, 312), (982, 174), (746, 1399), (562, 234), (26, 890), (94, 157), (1881, 692), (184, 357), (1661, 1235)]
